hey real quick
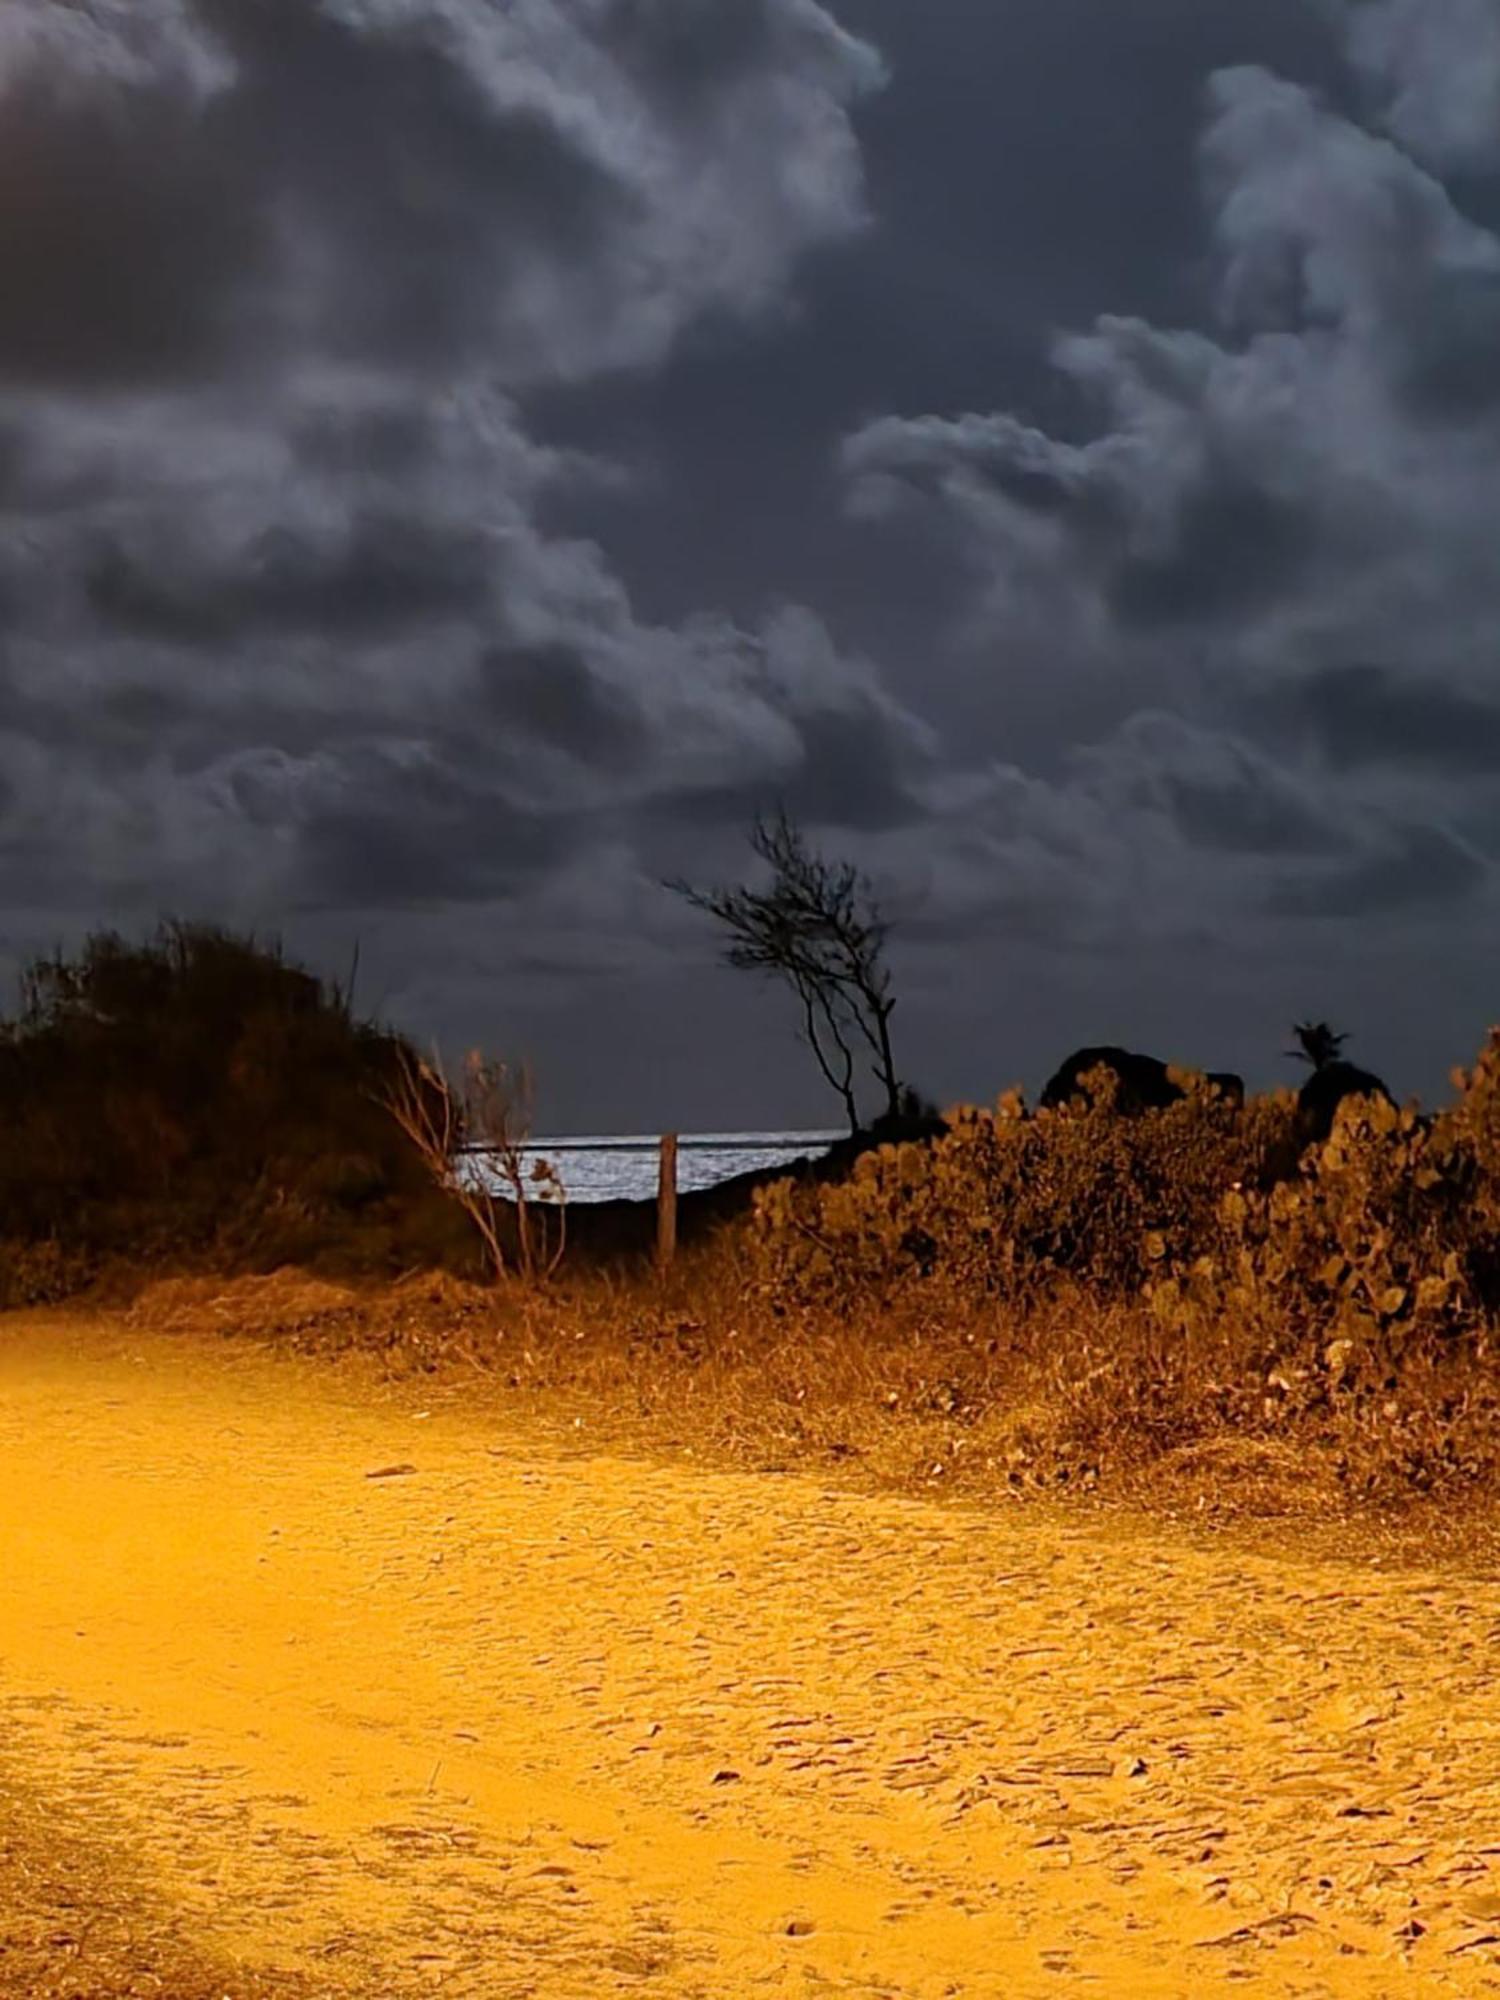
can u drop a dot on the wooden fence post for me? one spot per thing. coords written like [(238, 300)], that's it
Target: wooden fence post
[(666, 1204)]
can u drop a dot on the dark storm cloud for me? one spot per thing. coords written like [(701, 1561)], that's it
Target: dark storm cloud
[(1366, 715), (269, 521), (426, 830), (1233, 546), (1450, 367), (997, 217), (851, 770), (1218, 791), (411, 181), (382, 572), (425, 206), (1291, 486), (1239, 473), (696, 53), (419, 485), (547, 692), (1422, 868), (141, 244)]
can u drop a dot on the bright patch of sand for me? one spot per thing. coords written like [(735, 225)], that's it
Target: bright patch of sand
[(511, 1721)]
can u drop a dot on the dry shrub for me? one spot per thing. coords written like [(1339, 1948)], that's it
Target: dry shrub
[(41, 1273), (1066, 1299), (1163, 1280), (1007, 1205), (284, 1301), (414, 1325), (197, 1095)]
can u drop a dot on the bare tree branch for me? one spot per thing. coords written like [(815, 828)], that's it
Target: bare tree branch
[(818, 927), (491, 1117), (814, 1003), (423, 1104)]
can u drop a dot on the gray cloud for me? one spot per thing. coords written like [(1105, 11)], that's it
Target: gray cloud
[(1362, 715), (418, 506), (1235, 546), (280, 607), (1432, 69), (140, 237), (1220, 792), (1262, 501), (260, 600), (413, 179), (1166, 835), (533, 208), (1421, 867)]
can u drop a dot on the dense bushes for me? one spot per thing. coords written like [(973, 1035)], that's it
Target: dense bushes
[(1380, 1248), (1006, 1204), (1338, 1277), (199, 1092)]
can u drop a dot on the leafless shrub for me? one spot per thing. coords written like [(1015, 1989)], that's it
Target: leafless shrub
[(486, 1118)]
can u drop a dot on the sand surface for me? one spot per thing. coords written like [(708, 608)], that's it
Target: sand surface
[(514, 1720)]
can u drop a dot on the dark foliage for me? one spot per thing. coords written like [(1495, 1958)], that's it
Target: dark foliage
[(196, 1091), (1230, 1086)]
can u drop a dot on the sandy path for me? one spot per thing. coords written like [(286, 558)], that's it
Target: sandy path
[(518, 1722)]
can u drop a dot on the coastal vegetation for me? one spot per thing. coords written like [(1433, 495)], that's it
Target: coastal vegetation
[(1094, 1294), (194, 1097), (817, 927)]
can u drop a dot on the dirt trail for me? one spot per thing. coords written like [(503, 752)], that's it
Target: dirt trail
[(520, 1722)]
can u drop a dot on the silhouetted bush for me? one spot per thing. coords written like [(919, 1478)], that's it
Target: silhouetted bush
[(198, 1091), (1334, 1079)]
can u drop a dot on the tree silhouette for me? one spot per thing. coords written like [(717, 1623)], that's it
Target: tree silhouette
[(1318, 1044), (818, 928)]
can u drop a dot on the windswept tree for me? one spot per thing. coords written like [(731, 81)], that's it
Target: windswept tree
[(817, 927)]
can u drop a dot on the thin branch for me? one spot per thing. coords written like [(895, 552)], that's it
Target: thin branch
[(818, 927), (424, 1106), (814, 1000)]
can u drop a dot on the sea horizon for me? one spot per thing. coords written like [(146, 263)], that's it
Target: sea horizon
[(623, 1166)]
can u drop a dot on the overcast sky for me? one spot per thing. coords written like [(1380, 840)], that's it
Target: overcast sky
[(458, 460)]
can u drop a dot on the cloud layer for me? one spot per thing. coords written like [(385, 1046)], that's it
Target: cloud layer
[(284, 623), (1287, 510), (382, 380)]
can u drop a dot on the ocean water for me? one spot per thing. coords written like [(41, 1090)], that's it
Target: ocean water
[(625, 1169)]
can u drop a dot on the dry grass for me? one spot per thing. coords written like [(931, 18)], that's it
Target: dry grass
[(424, 1316), (927, 1395)]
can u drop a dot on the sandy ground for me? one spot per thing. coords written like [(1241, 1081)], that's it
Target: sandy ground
[(370, 1694)]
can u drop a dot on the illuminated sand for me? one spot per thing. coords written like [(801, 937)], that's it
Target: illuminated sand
[(527, 1722)]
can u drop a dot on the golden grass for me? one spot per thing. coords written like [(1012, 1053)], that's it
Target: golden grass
[(926, 1395)]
